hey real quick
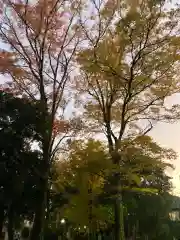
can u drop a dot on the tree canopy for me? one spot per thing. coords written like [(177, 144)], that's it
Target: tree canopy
[(73, 70), (20, 164)]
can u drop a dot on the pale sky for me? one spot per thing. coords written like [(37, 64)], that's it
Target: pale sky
[(168, 135)]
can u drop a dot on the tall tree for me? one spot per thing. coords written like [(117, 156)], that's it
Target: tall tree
[(19, 124), (128, 70), (147, 215), (85, 171), (40, 39)]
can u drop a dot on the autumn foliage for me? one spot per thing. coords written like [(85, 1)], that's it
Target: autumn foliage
[(116, 61), (40, 41)]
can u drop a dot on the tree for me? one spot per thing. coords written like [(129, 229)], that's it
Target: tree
[(146, 163), (40, 39), (128, 69), (86, 170), (147, 215), (19, 127)]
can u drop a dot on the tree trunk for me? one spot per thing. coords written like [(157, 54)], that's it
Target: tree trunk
[(39, 219), (37, 232), (134, 233), (119, 219), (40, 213), (2, 216), (119, 231), (90, 237), (10, 223), (47, 207)]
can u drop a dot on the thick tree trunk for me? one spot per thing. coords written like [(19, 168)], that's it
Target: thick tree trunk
[(40, 213), (2, 216), (134, 233), (37, 232), (39, 219), (90, 237), (10, 223), (119, 231), (119, 219), (47, 207)]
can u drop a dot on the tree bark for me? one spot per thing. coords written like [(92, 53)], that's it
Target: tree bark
[(39, 218), (2, 216), (134, 232), (90, 237), (40, 213), (119, 231), (10, 223), (119, 219), (37, 232)]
